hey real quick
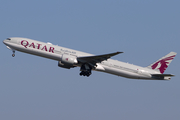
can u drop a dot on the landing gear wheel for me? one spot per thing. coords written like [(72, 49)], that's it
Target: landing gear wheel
[(85, 73), (13, 53), (85, 70)]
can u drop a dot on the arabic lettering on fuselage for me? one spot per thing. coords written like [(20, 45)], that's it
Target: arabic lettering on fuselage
[(26, 44), (67, 51)]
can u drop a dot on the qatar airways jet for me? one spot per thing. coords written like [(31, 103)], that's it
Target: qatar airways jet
[(68, 58)]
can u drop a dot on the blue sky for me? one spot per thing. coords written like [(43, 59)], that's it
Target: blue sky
[(36, 88)]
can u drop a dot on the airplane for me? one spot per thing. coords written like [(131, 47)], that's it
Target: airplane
[(69, 58)]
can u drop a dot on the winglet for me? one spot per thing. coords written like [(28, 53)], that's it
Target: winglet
[(113, 54)]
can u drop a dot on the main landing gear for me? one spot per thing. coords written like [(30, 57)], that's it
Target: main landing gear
[(85, 70), (13, 53)]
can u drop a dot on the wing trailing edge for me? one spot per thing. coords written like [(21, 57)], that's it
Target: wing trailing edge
[(97, 58)]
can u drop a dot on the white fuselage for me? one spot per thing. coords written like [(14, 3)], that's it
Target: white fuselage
[(55, 52)]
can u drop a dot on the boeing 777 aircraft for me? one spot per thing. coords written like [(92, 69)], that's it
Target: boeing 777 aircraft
[(68, 58)]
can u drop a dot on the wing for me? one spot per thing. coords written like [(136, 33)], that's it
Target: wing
[(97, 58)]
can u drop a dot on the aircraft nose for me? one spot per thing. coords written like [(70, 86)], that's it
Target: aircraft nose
[(6, 40)]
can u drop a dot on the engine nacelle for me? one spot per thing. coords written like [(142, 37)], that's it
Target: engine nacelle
[(67, 61), (64, 65)]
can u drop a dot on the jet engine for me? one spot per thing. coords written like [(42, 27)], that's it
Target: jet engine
[(67, 61)]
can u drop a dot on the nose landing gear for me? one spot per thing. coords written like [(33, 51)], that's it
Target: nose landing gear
[(13, 53), (11, 50)]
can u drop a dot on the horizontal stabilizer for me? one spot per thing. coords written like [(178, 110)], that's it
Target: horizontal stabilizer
[(162, 76)]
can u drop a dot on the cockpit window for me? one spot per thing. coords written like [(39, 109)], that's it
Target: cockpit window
[(8, 39)]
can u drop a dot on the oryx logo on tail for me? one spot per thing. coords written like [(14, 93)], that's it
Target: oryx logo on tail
[(163, 63)]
